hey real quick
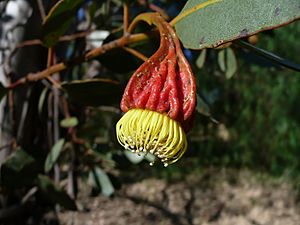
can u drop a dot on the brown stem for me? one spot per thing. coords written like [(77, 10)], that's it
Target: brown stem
[(162, 12), (41, 9), (136, 53), (125, 17), (128, 39), (39, 42), (50, 57)]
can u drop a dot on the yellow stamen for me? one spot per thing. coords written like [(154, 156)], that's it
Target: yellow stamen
[(141, 130)]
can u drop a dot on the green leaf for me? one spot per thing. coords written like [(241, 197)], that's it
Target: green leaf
[(101, 180), (54, 194), (69, 122), (19, 169), (201, 59), (94, 92), (202, 107), (58, 20), (231, 63), (3, 91), (54, 154), (226, 20), (42, 100), (221, 60)]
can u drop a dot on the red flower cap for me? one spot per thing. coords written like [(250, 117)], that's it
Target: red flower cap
[(165, 82)]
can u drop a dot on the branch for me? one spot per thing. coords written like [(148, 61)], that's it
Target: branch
[(270, 56), (125, 40), (125, 17)]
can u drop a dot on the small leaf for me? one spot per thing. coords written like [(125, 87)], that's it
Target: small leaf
[(221, 60), (202, 107), (19, 169), (3, 91), (54, 154), (201, 59), (58, 20), (101, 180), (210, 23), (42, 100), (133, 157), (55, 194), (94, 92), (69, 122), (231, 63)]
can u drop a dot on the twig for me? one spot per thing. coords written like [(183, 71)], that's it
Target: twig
[(125, 17), (6, 146), (136, 53), (33, 42), (41, 9), (50, 59), (29, 194), (269, 56), (49, 120), (23, 115), (128, 39), (162, 12), (71, 180), (56, 129), (54, 82)]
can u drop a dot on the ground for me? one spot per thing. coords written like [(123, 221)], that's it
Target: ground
[(209, 197)]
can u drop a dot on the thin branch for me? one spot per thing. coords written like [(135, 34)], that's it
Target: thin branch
[(125, 17), (50, 57), (136, 53), (55, 83), (270, 56), (6, 146), (162, 12), (24, 111), (32, 42), (41, 9), (124, 40)]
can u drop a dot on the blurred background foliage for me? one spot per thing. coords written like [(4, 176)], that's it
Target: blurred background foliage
[(61, 131)]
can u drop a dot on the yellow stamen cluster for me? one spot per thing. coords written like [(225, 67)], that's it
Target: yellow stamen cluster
[(145, 131)]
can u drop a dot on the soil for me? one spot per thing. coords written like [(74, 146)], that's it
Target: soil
[(211, 197)]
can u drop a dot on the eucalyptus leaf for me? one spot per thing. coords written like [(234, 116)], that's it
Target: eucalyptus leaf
[(54, 154), (221, 60), (19, 169), (201, 59), (58, 20), (42, 100), (100, 180), (202, 107), (231, 63), (203, 23), (69, 122)]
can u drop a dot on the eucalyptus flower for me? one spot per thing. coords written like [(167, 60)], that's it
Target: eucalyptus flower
[(159, 102)]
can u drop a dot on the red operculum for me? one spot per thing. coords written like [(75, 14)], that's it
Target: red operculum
[(164, 83)]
